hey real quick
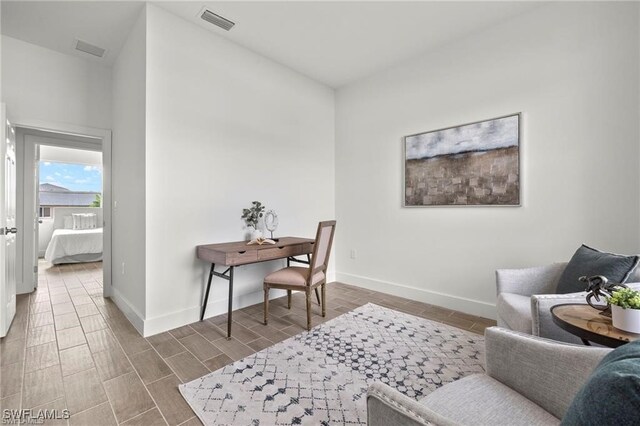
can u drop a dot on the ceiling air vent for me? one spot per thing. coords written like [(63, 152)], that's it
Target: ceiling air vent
[(217, 20), (85, 47)]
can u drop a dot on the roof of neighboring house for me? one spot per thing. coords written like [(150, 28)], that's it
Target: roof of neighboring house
[(53, 195), (49, 187)]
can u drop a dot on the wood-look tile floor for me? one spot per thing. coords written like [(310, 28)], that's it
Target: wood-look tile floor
[(69, 348)]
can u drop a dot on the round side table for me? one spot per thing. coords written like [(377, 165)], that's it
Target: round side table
[(589, 325)]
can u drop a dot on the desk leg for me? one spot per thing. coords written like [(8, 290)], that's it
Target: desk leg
[(229, 313), (585, 342), (206, 294)]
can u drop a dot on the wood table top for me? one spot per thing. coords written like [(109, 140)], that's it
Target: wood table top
[(238, 246), (240, 253), (587, 323)]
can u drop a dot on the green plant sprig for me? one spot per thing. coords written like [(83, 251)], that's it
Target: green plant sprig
[(252, 215), (626, 298)]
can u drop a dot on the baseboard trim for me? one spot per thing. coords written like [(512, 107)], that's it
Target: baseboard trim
[(462, 304), (176, 319), (129, 311), (162, 323)]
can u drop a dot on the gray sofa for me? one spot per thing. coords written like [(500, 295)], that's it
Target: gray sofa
[(528, 380), (525, 298)]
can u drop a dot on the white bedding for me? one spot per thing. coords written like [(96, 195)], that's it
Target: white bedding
[(66, 243)]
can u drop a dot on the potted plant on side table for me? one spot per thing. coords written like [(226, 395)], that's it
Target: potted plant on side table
[(625, 309)]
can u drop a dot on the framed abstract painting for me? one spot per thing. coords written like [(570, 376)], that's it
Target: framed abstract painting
[(475, 164)]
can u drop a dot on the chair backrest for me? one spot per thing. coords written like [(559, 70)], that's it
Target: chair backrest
[(322, 247)]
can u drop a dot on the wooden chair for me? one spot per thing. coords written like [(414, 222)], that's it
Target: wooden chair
[(305, 279)]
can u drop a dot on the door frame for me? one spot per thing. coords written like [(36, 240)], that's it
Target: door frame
[(96, 133)]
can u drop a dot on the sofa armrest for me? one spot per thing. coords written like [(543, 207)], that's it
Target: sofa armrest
[(529, 281), (542, 321), (387, 406), (546, 372)]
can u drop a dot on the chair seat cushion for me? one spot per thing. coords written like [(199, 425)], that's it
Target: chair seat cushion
[(293, 275), (611, 395), (482, 400), (515, 310)]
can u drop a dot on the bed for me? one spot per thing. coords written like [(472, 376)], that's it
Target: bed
[(74, 245)]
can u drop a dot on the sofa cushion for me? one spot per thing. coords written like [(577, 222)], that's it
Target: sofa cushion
[(611, 395), (515, 311), (481, 400), (589, 261)]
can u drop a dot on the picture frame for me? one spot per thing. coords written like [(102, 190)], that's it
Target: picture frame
[(471, 164)]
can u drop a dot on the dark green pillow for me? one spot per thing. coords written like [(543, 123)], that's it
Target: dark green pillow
[(589, 261), (611, 395)]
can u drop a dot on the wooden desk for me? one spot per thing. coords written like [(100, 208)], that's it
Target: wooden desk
[(589, 325), (239, 253)]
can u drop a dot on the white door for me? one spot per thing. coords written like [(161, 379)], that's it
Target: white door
[(7, 224)]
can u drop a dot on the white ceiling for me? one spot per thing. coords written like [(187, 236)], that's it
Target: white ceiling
[(56, 24), (332, 42), (339, 42), (59, 154)]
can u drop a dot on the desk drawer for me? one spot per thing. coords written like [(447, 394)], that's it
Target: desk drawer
[(241, 257), (280, 252)]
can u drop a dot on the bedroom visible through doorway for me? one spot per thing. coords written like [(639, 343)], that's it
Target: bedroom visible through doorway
[(69, 206), (64, 198)]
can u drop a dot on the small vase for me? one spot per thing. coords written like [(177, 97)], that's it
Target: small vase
[(255, 234), (626, 319)]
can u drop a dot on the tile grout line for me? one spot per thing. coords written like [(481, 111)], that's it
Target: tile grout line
[(91, 353), (64, 393), (93, 358), (137, 374), (139, 415)]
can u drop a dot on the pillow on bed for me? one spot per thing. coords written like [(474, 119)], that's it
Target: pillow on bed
[(85, 221), (79, 221), (68, 222), (92, 220)]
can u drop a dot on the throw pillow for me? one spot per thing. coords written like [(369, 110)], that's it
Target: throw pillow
[(77, 221), (589, 261), (611, 395)]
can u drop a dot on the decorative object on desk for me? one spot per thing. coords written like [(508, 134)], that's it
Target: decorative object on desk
[(625, 309), (467, 165), (271, 221), (599, 285), (251, 217), (260, 241)]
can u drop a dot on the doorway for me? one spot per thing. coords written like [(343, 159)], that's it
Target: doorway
[(64, 198)]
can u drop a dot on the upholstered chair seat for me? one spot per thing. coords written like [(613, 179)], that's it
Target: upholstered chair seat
[(293, 275)]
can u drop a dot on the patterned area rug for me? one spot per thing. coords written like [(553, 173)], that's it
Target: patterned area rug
[(321, 376)]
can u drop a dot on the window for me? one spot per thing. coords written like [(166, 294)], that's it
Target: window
[(68, 185), (45, 211)]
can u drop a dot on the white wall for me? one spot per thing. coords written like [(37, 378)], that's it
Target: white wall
[(572, 70), (42, 85), (128, 181), (225, 127), (45, 85), (45, 232)]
